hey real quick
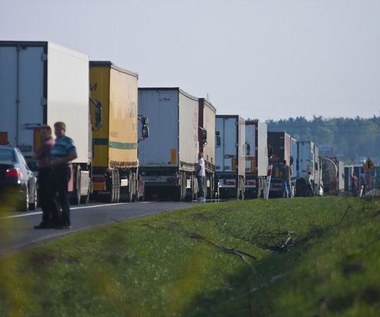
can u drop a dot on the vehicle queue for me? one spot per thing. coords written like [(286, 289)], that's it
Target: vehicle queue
[(136, 143)]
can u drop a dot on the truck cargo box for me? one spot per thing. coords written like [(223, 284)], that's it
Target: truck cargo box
[(307, 161), (42, 83), (167, 158), (206, 140), (173, 124), (280, 149), (230, 154), (207, 113), (115, 162), (115, 143), (256, 161), (257, 147)]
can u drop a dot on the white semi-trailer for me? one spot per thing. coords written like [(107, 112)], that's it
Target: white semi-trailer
[(167, 158), (307, 162), (42, 83), (230, 152), (256, 160), (206, 130)]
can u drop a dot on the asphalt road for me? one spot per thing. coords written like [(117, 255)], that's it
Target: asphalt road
[(16, 228)]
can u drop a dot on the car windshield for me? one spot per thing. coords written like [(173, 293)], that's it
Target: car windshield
[(7, 156)]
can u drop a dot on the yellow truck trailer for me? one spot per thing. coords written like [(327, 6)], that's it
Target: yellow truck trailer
[(114, 161)]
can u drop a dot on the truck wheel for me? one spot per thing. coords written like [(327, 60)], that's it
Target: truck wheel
[(75, 198), (85, 199), (117, 187), (130, 188), (134, 187), (79, 184)]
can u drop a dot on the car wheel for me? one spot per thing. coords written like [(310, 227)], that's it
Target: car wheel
[(33, 205), (24, 204)]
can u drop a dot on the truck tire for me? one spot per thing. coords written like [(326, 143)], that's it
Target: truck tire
[(130, 188), (117, 187), (75, 197)]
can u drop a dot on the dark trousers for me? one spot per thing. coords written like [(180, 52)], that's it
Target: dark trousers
[(43, 185), (58, 195), (309, 190)]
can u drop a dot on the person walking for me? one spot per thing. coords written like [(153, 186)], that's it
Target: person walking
[(363, 183), (62, 153), (42, 156), (309, 185), (201, 173), (285, 179), (354, 185)]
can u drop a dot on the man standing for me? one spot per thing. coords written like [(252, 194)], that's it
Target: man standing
[(201, 173), (42, 155), (285, 180), (62, 153)]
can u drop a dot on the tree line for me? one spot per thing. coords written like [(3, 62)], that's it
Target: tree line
[(349, 139)]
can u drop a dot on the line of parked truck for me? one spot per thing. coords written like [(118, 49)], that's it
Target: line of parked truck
[(142, 143)]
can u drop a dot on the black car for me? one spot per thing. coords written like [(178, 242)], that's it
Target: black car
[(18, 184)]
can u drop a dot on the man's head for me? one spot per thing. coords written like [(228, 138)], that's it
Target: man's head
[(284, 162), (45, 131), (200, 155), (59, 129)]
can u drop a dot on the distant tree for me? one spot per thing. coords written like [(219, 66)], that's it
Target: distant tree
[(351, 138)]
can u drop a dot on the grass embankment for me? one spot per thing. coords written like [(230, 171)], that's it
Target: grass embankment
[(295, 257)]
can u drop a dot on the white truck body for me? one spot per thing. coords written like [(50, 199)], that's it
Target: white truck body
[(206, 124), (280, 148), (308, 162), (256, 161), (167, 158), (173, 124), (230, 151), (305, 159), (42, 83)]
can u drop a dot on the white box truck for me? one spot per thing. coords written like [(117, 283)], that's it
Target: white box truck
[(256, 160), (167, 158), (230, 152), (42, 83), (279, 149), (307, 162), (206, 131)]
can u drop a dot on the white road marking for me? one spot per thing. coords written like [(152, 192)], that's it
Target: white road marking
[(71, 208)]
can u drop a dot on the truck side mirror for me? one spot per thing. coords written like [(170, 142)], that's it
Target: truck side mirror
[(218, 140), (203, 135), (247, 149), (98, 113), (270, 151), (145, 132), (144, 127)]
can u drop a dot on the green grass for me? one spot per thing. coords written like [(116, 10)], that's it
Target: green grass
[(284, 257)]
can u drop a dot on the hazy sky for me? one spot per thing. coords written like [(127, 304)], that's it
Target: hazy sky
[(266, 59)]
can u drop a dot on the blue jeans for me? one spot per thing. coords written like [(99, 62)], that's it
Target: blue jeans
[(286, 193)]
